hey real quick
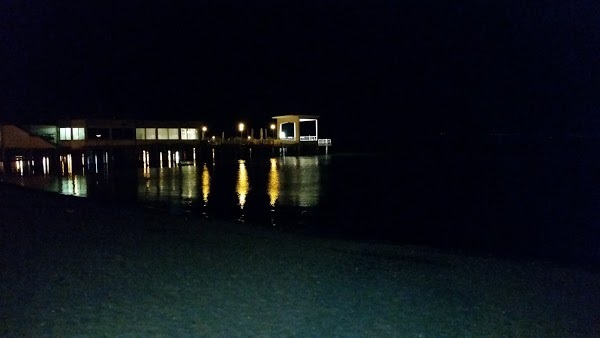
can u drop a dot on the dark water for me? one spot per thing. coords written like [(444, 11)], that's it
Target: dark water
[(522, 201)]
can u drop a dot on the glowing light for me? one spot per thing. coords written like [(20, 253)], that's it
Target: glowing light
[(282, 134), (243, 184), (241, 129)]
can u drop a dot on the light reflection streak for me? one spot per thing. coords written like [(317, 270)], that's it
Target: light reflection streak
[(205, 184), (73, 185), (45, 165), (273, 184), (243, 184), (66, 164), (19, 165), (146, 163), (302, 178), (187, 181)]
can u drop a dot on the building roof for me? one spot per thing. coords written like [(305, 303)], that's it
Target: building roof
[(299, 116), (17, 138), (127, 123)]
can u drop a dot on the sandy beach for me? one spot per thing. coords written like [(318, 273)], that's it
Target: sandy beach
[(73, 267)]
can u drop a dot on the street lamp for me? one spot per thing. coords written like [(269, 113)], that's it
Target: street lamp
[(273, 129), (203, 131), (241, 129)]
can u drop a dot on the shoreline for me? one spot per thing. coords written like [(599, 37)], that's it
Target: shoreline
[(585, 260), (79, 267)]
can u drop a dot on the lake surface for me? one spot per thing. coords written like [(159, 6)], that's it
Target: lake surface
[(522, 201)]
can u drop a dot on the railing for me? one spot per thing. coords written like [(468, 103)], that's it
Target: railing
[(323, 142), (308, 138)]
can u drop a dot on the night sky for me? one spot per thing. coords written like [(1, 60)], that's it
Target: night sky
[(368, 68)]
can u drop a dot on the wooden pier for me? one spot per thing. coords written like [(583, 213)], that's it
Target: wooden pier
[(78, 144)]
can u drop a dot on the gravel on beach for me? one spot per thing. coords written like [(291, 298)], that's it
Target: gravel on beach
[(74, 267)]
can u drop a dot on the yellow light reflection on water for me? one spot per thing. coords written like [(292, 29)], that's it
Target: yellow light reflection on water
[(66, 164), (273, 184), (146, 163), (205, 184), (243, 184), (19, 165), (188, 181)]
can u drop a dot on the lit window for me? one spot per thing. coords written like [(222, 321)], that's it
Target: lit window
[(173, 134), (79, 133), (150, 133), (65, 134), (140, 133), (189, 133), (163, 133)]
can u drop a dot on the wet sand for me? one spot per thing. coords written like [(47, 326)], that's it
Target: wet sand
[(73, 267)]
